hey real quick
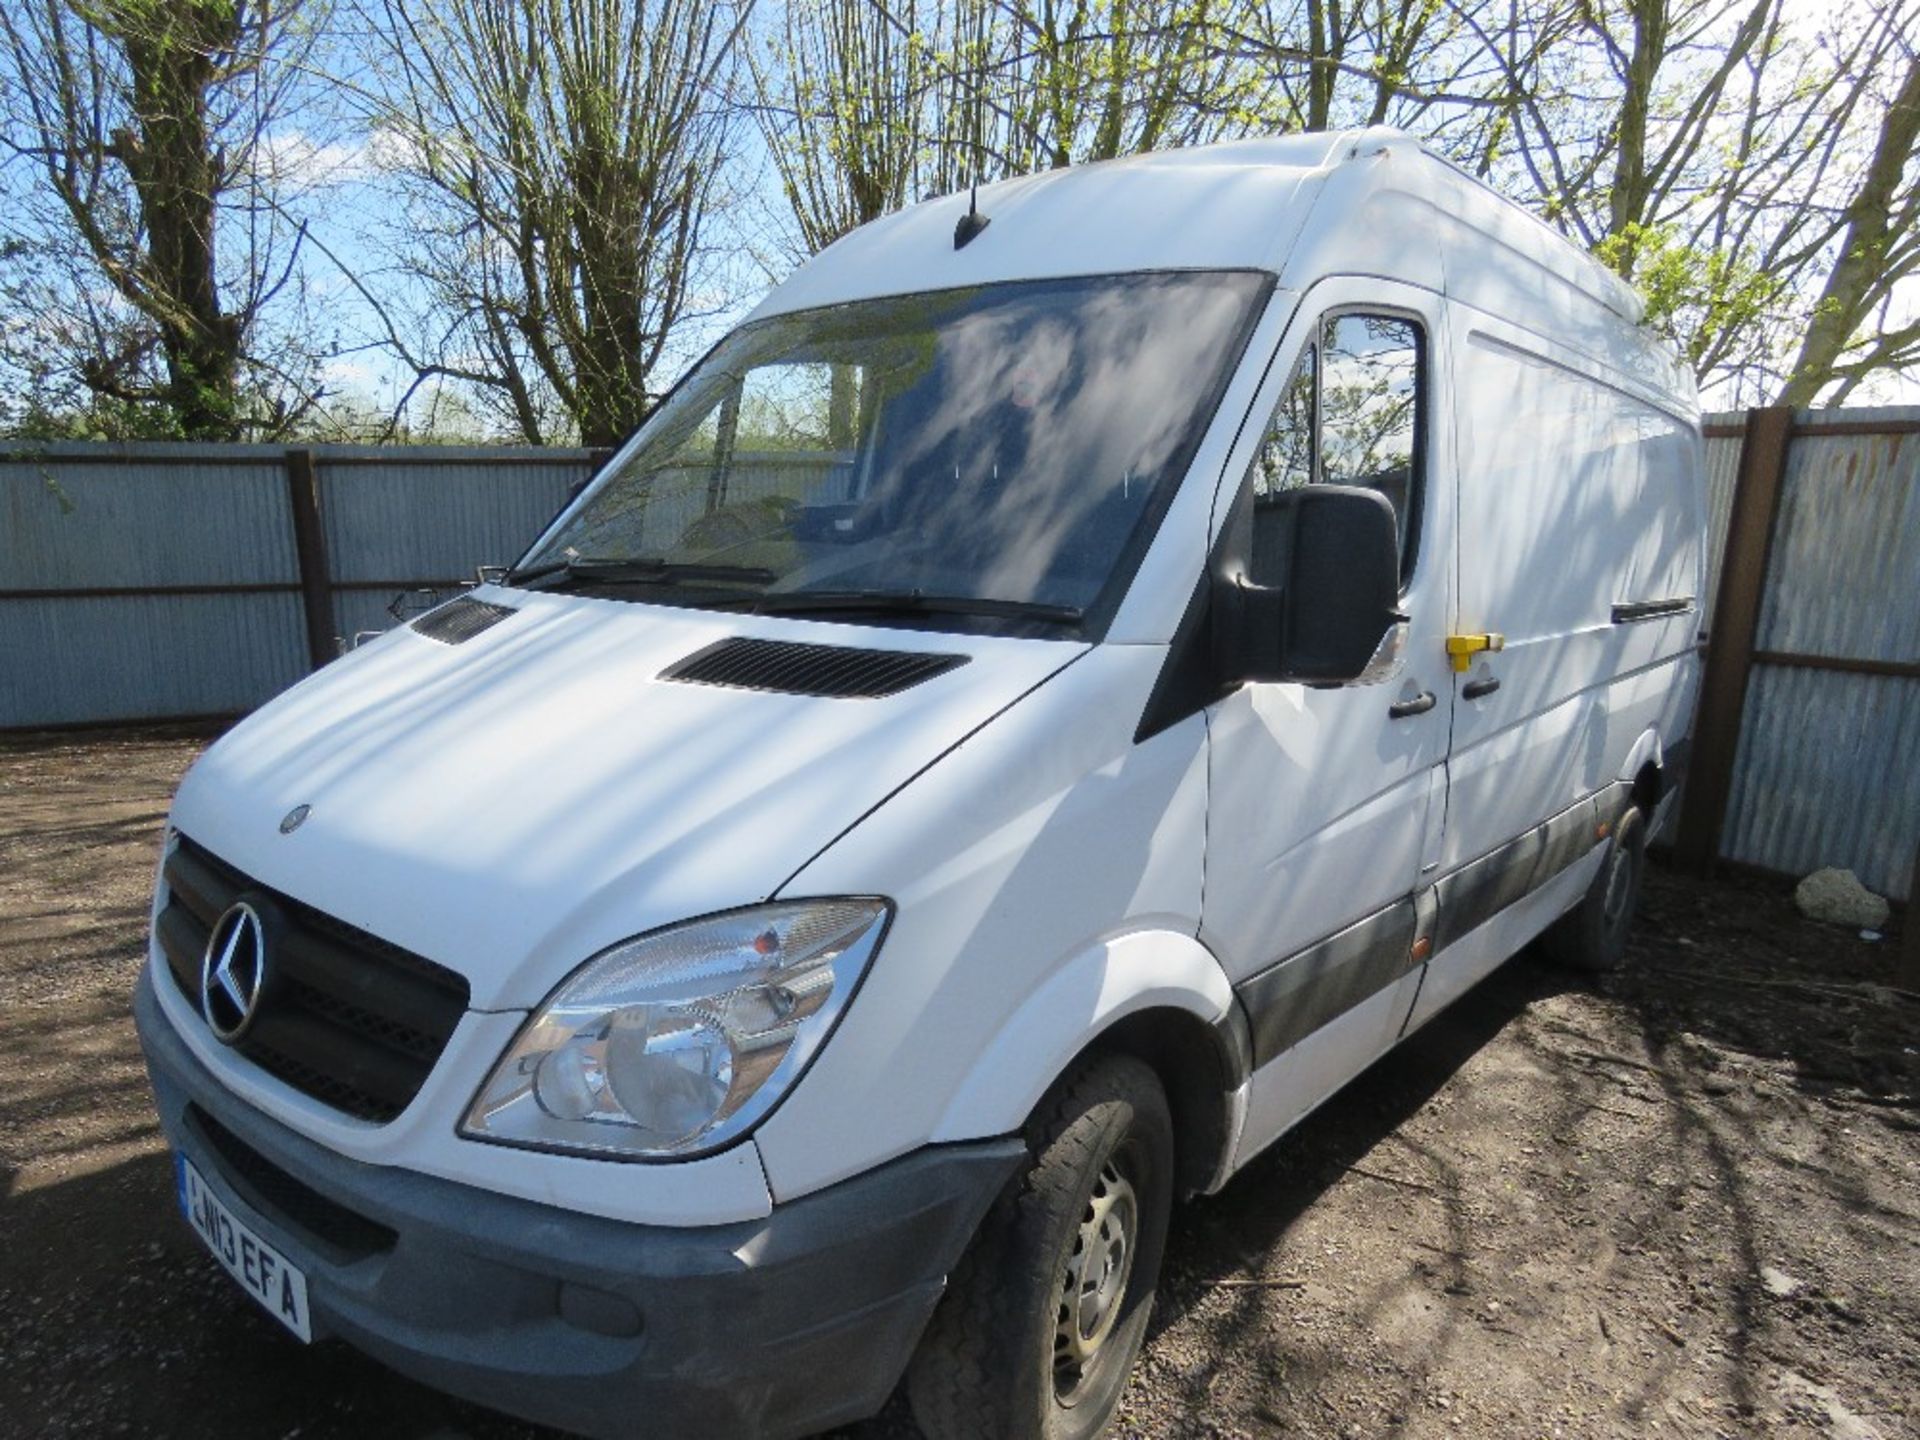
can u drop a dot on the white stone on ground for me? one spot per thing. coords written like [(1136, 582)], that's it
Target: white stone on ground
[(1838, 898)]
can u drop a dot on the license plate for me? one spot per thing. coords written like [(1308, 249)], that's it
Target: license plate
[(263, 1272)]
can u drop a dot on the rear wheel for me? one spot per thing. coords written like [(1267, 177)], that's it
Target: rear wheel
[(1043, 1317), (1593, 935)]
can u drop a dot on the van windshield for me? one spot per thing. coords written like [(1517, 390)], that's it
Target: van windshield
[(1004, 450)]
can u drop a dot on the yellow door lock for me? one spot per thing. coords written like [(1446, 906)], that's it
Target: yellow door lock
[(1464, 647)]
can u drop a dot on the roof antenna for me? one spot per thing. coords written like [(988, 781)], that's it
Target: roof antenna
[(973, 222)]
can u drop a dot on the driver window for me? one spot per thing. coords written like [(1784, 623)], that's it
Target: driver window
[(1370, 404), (1352, 414)]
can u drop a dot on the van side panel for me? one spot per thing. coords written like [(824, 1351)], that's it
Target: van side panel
[(1579, 543), (1580, 528), (1668, 560)]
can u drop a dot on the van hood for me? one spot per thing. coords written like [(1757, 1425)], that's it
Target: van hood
[(512, 804)]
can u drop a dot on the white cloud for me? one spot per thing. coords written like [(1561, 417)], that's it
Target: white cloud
[(298, 158)]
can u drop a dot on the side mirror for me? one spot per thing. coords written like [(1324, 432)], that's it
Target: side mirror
[(1334, 619)]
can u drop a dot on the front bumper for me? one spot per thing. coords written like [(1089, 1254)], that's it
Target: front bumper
[(766, 1328)]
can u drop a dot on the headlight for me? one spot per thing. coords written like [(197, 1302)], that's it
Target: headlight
[(677, 1042)]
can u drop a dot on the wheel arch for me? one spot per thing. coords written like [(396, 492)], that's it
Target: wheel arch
[(1154, 995), (1645, 772), (1204, 1070), (1159, 996)]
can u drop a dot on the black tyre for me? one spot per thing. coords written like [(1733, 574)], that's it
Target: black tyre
[(1593, 935), (1044, 1315)]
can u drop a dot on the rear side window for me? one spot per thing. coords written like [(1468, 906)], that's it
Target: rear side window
[(1353, 413)]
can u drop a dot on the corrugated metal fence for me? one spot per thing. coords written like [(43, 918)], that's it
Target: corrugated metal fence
[(158, 581), (1808, 739), (148, 581)]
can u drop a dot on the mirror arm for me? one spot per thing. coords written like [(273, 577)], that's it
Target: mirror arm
[(1250, 630)]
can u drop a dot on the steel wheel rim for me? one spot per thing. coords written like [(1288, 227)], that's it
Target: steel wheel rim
[(1093, 1282)]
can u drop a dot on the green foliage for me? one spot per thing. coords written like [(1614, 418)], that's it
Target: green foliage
[(1693, 295), (98, 417)]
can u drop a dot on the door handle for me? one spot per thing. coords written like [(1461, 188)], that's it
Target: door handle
[(1477, 688), (1418, 705)]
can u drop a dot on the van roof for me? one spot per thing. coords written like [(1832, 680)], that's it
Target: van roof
[(1370, 201)]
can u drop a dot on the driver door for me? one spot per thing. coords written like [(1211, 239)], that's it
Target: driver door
[(1325, 804)]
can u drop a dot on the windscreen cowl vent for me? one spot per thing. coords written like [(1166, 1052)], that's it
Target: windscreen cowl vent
[(458, 621), (832, 671)]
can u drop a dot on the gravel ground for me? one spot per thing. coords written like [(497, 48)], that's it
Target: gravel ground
[(1685, 1203)]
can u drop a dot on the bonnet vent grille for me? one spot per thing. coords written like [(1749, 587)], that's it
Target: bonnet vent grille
[(460, 620), (834, 671)]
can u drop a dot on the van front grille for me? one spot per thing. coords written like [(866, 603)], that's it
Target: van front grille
[(350, 1019)]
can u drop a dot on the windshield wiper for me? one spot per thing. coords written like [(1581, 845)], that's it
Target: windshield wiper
[(896, 602), (608, 570)]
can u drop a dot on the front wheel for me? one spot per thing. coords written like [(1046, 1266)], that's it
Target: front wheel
[(1044, 1315)]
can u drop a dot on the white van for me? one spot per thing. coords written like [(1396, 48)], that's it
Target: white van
[(1055, 694)]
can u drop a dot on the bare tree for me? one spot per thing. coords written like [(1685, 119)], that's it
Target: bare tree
[(843, 107), (1104, 78), (866, 104), (559, 161), (1748, 164), (1854, 330), (1424, 65), (149, 233)]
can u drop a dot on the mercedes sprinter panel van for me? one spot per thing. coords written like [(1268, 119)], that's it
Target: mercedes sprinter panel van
[(1074, 678)]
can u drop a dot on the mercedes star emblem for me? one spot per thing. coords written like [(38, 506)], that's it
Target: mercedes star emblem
[(232, 971)]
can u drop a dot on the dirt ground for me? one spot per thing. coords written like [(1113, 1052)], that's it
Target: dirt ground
[(1686, 1203)]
